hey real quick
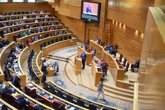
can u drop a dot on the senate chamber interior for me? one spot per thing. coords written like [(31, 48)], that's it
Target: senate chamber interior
[(82, 54)]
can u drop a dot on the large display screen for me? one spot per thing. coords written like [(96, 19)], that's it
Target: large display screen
[(90, 11)]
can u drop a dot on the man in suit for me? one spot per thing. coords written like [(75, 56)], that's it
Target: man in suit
[(88, 9), (16, 82), (83, 57)]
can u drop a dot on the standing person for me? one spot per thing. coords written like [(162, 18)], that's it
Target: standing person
[(44, 66), (44, 70), (43, 80), (104, 67), (83, 57), (56, 68), (100, 89)]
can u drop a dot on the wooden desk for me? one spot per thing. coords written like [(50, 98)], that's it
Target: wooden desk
[(22, 59), (26, 38), (10, 36), (36, 44), (96, 72), (28, 97), (89, 55), (44, 97), (3, 56), (99, 49), (58, 98), (78, 65), (58, 45), (116, 71)]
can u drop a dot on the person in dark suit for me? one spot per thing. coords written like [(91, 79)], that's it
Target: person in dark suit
[(83, 57), (16, 82), (104, 68), (88, 9), (43, 80), (44, 66), (22, 101), (135, 65)]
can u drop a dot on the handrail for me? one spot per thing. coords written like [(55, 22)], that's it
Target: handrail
[(20, 59), (58, 45), (135, 98), (38, 64)]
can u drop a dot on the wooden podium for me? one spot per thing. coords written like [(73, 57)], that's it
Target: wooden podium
[(50, 72), (78, 65), (89, 55), (96, 72)]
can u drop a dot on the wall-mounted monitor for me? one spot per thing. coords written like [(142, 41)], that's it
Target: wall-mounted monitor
[(90, 11)]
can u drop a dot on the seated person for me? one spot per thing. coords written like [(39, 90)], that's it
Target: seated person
[(135, 65), (93, 51), (17, 48), (113, 51), (104, 68), (108, 46), (24, 17), (100, 62), (6, 89), (16, 82), (22, 101)]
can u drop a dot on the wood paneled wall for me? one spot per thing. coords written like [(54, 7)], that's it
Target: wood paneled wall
[(75, 25), (132, 13), (130, 43), (13, 7)]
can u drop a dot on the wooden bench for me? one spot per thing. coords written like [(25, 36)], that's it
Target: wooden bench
[(116, 71)]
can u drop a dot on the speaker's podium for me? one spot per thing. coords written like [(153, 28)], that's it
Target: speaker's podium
[(78, 65), (96, 72)]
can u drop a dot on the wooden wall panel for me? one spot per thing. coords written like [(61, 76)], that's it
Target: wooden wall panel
[(132, 13), (11, 7), (75, 25), (130, 45)]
